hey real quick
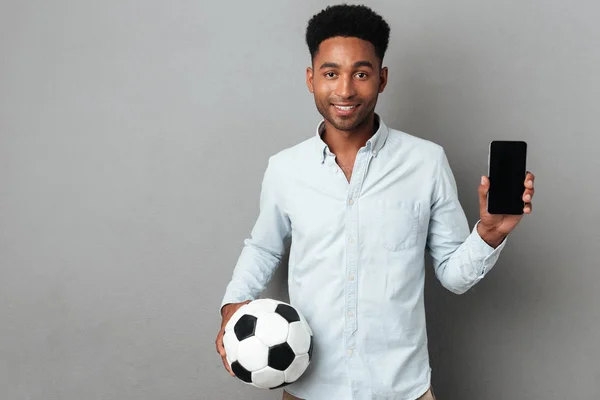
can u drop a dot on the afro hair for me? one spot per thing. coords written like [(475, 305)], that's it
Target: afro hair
[(348, 21)]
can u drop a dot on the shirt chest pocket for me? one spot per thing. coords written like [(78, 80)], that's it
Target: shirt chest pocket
[(398, 224)]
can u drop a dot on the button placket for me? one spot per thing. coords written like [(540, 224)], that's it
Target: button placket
[(352, 248)]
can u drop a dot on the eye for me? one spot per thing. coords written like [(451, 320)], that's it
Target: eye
[(364, 75), (329, 74)]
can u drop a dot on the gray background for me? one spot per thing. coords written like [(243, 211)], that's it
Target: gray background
[(133, 139)]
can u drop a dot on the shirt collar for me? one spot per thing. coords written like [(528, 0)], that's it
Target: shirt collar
[(375, 143)]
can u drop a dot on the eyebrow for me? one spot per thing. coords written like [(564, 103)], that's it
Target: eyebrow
[(355, 65)]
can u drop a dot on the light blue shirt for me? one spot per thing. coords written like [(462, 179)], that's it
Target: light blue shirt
[(356, 266)]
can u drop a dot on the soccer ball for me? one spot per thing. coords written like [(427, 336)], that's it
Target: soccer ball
[(268, 343)]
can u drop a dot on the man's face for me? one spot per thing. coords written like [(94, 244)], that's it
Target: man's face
[(346, 79)]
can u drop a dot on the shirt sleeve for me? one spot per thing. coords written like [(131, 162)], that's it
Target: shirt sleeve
[(263, 250), (461, 258)]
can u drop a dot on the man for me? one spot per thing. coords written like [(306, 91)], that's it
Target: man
[(360, 203)]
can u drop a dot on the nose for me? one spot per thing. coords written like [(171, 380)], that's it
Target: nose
[(345, 87)]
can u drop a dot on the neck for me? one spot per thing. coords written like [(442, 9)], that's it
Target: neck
[(347, 143)]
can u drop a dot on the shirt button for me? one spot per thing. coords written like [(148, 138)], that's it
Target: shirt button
[(351, 240), (349, 352), (375, 153), (350, 201), (350, 313), (351, 278)]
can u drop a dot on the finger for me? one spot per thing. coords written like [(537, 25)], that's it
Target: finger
[(530, 176), (222, 353), (227, 367), (221, 350), (219, 343), (528, 195), (529, 179), (528, 208), (484, 187)]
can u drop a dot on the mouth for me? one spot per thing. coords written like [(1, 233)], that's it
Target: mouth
[(345, 110)]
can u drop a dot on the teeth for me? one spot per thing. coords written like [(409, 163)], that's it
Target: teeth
[(345, 108)]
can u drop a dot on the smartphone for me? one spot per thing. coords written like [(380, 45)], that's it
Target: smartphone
[(507, 169)]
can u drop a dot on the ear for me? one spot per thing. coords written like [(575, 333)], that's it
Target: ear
[(309, 79), (383, 77)]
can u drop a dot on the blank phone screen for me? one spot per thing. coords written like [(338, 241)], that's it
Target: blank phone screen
[(507, 169)]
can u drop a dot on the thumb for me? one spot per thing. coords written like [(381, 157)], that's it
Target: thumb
[(484, 187)]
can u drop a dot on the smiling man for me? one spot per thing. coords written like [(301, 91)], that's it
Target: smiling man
[(361, 203)]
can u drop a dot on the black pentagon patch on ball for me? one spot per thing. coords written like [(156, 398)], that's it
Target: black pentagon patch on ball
[(281, 356), (287, 312), (245, 326), (280, 386), (310, 348), (241, 372)]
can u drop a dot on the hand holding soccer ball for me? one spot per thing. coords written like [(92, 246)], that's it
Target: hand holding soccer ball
[(226, 313), (265, 343)]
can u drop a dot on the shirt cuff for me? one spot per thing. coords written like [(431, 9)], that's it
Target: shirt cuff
[(488, 254), (233, 298)]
